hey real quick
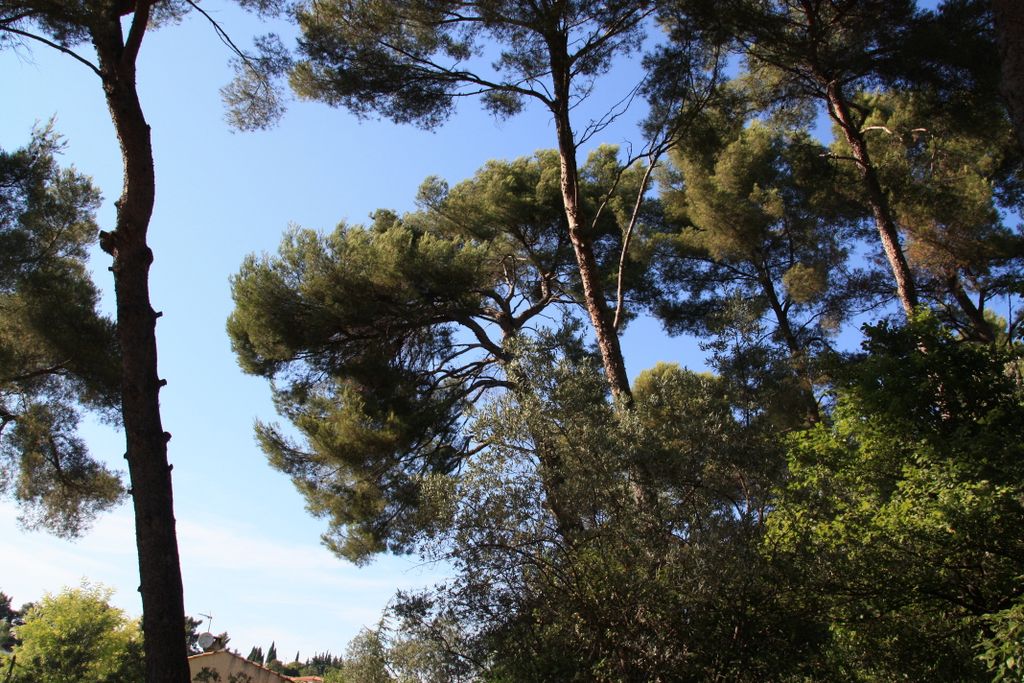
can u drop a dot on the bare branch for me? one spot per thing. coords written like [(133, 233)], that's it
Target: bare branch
[(481, 335), (222, 34), (614, 112), (886, 129), (55, 46), (619, 288)]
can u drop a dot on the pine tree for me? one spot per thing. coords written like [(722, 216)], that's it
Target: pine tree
[(57, 354)]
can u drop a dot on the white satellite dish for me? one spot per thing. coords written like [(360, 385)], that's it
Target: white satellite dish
[(205, 640)]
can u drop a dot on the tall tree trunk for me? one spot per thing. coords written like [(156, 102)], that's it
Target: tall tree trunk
[(1009, 20), (582, 243), (839, 110), (163, 621), (601, 317)]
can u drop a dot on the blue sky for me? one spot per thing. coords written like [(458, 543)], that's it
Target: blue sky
[(250, 553)]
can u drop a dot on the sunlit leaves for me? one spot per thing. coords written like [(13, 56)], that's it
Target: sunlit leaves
[(78, 636), (905, 510)]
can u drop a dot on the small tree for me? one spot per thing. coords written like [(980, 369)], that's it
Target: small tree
[(366, 659), (78, 636)]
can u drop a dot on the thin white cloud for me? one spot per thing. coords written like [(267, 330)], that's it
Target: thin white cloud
[(258, 588), (36, 563)]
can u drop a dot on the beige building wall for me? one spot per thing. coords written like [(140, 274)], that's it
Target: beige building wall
[(227, 664)]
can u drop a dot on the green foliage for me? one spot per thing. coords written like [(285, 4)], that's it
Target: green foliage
[(320, 664), (254, 98), (378, 338), (192, 635), (754, 258), (365, 659), (9, 617), (818, 54), (70, 23), (1003, 647), (293, 668), (363, 389), (950, 53), (904, 512), (760, 221), (77, 636), (410, 61), (256, 655), (952, 177), (561, 573), (382, 655), (794, 51), (56, 351)]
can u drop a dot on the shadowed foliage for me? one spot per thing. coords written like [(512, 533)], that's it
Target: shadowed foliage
[(57, 353)]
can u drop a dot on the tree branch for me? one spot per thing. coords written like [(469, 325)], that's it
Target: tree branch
[(436, 70), (223, 35), (55, 46), (619, 288), (140, 21), (41, 372)]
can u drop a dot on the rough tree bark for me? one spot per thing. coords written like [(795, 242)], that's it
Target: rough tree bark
[(163, 622), (839, 111), (582, 244)]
